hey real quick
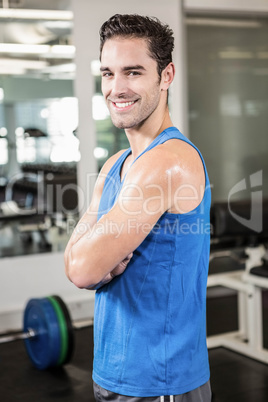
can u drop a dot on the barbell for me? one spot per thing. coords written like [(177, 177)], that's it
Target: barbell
[(48, 332)]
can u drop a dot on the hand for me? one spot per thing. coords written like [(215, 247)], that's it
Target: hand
[(118, 270)]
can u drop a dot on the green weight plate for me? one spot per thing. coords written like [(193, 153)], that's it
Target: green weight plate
[(71, 342), (63, 330)]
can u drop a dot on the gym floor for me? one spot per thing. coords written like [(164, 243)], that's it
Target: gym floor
[(234, 378)]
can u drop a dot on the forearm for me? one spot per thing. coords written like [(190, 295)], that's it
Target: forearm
[(82, 229), (105, 280), (89, 262), (95, 259), (118, 270)]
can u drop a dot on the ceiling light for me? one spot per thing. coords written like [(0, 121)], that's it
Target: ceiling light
[(27, 14), (22, 48), (62, 76), (12, 70), (223, 23), (27, 64), (60, 51), (63, 25), (63, 49), (233, 54), (60, 68)]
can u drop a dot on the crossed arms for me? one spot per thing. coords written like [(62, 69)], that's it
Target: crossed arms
[(97, 251)]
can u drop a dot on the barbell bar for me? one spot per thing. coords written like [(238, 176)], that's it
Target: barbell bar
[(18, 336), (48, 332)]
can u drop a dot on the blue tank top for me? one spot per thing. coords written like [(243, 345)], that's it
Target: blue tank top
[(150, 322)]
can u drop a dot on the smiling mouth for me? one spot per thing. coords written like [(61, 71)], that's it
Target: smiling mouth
[(123, 105)]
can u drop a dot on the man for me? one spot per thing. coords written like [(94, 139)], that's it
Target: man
[(144, 241)]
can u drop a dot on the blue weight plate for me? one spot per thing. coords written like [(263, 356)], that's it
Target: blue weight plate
[(43, 349)]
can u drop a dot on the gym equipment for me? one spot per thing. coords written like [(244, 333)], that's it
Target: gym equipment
[(48, 332), (234, 237), (44, 347), (63, 331), (69, 327)]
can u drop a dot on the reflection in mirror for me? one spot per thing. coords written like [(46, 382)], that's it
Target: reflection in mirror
[(39, 149)]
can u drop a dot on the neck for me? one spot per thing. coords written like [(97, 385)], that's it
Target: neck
[(141, 137)]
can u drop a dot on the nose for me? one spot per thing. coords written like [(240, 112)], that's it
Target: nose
[(118, 86)]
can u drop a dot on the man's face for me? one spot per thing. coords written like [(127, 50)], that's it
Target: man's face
[(130, 82)]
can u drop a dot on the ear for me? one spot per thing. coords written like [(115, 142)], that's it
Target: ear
[(167, 76)]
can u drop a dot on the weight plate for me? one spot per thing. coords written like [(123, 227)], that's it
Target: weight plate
[(43, 349), (71, 343), (63, 330)]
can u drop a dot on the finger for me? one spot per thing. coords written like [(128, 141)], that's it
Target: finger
[(128, 257)]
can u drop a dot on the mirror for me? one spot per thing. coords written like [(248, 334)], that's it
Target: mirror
[(39, 148)]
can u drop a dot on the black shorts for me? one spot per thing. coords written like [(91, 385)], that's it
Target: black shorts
[(200, 394)]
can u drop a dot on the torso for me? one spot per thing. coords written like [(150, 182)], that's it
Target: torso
[(167, 274)]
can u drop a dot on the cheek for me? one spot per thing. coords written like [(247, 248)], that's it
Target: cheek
[(104, 88)]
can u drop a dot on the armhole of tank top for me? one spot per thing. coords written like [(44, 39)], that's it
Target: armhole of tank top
[(117, 163)]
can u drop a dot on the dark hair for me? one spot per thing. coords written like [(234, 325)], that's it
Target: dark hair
[(158, 36)]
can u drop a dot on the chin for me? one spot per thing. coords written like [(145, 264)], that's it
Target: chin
[(121, 124), (124, 124)]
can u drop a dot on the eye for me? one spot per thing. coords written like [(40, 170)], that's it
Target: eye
[(106, 74), (133, 73)]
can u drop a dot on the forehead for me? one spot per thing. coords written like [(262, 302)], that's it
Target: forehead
[(126, 50)]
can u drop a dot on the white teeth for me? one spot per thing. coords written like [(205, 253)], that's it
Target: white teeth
[(122, 105)]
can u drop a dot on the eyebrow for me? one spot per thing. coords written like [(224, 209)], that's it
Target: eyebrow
[(136, 67), (127, 68)]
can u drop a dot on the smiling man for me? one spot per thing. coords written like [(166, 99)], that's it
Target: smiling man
[(137, 93), (143, 243)]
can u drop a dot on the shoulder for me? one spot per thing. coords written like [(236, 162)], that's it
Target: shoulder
[(174, 157), (179, 152), (176, 169), (185, 157)]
